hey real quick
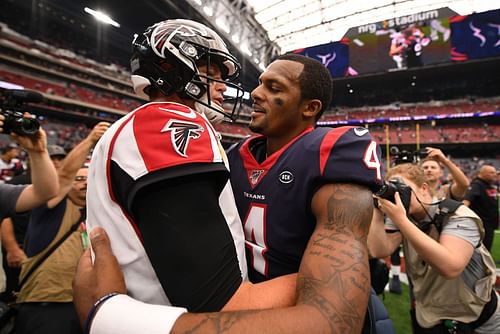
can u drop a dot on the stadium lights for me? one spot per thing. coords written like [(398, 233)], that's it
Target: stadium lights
[(100, 16), (235, 38), (244, 48), (221, 24), (208, 10)]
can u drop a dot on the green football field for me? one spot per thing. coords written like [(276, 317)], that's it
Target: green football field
[(398, 306)]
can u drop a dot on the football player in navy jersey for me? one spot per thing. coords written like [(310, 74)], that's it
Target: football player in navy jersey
[(278, 176), (333, 279)]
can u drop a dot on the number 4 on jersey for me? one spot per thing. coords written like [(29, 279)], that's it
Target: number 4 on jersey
[(372, 160), (255, 237)]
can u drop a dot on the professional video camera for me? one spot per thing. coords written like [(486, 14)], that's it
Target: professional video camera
[(402, 157), (11, 106), (390, 188)]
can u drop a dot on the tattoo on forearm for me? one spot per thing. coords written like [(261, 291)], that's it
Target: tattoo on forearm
[(215, 322), (333, 280), (339, 246)]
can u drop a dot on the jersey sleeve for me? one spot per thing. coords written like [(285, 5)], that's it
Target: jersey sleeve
[(188, 242), (159, 138), (350, 155), (162, 141)]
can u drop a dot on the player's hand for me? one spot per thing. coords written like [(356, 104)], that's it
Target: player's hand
[(91, 282), (98, 131)]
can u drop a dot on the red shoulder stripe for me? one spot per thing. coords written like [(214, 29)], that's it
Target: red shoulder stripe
[(328, 143)]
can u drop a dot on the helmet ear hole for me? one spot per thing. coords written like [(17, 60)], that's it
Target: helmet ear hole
[(189, 50)]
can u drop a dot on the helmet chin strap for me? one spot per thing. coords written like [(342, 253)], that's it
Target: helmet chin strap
[(215, 117)]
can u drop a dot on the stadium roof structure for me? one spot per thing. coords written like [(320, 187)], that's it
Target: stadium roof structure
[(295, 24), (256, 29)]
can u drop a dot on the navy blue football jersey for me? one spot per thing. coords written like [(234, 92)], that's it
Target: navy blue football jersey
[(274, 197)]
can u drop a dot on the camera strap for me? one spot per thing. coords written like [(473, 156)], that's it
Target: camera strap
[(447, 207), (35, 266)]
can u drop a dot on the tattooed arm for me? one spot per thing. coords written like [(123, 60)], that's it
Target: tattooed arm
[(333, 280)]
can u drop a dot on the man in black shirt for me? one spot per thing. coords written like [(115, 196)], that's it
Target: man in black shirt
[(482, 198)]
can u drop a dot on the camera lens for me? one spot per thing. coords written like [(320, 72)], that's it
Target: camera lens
[(29, 126), (387, 191), (394, 150)]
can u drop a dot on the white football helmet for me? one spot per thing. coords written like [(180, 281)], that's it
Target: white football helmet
[(184, 44)]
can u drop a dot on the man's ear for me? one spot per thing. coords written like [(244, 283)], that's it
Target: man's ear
[(426, 187), (312, 108)]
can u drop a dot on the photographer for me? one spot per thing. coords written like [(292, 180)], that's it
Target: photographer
[(43, 174), (452, 274), (14, 198), (45, 300), (433, 170)]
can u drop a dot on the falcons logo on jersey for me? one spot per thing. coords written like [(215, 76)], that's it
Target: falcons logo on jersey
[(181, 133)]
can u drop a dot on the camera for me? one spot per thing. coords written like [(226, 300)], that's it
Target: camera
[(390, 188), (11, 107), (15, 122), (403, 156)]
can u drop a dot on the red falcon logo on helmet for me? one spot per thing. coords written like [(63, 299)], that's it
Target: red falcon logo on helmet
[(181, 133)]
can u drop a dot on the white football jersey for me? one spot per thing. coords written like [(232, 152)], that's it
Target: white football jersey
[(153, 137)]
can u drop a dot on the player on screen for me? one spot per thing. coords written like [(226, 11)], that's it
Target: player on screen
[(407, 46)]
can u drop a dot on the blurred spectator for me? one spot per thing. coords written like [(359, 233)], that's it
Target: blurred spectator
[(57, 155), (9, 163), (433, 170), (13, 230), (482, 198)]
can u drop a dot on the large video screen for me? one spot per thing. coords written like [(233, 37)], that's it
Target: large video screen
[(335, 56), (400, 47), (426, 38), (475, 36)]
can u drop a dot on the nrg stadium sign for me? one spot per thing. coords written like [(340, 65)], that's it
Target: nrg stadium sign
[(401, 21)]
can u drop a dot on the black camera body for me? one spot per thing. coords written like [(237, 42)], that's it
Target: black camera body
[(390, 188), (11, 108), (403, 156), (15, 122)]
